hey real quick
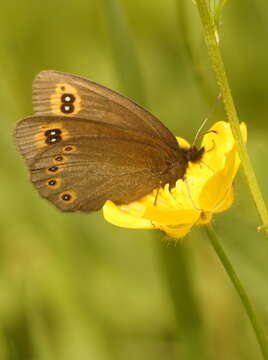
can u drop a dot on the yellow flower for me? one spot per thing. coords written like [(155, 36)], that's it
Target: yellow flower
[(207, 189)]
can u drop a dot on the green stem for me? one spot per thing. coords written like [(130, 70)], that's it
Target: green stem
[(214, 240), (210, 33)]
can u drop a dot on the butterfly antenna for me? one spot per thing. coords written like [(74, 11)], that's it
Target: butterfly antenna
[(198, 134)]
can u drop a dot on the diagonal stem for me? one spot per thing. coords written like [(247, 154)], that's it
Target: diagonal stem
[(259, 333), (210, 33)]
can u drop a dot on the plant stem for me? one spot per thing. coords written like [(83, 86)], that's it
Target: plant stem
[(210, 33), (215, 242)]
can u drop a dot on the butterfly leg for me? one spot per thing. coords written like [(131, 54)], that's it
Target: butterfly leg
[(155, 201), (212, 148), (157, 193)]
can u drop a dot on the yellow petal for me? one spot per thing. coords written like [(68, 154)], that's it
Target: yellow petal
[(182, 142), (218, 186), (172, 217), (226, 203), (223, 136), (115, 216), (217, 193), (219, 143), (176, 231)]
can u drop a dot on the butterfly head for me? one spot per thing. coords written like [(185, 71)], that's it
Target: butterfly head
[(193, 154)]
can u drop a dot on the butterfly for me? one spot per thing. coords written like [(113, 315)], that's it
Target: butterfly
[(87, 144)]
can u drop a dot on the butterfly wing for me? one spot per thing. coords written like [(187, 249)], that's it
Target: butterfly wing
[(57, 93), (78, 164)]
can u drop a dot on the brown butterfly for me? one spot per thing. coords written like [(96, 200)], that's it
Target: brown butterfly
[(87, 144)]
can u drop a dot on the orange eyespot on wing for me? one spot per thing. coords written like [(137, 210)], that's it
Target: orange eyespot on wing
[(35, 135), (65, 100), (69, 149), (55, 169), (60, 159), (49, 134), (54, 94), (68, 197), (54, 183)]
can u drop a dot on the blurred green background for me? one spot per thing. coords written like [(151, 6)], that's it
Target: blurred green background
[(75, 287)]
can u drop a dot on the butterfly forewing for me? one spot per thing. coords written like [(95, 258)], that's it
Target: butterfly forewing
[(56, 93)]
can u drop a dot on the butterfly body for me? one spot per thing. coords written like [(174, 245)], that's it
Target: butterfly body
[(87, 144)]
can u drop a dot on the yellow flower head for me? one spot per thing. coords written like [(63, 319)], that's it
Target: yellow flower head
[(206, 189)]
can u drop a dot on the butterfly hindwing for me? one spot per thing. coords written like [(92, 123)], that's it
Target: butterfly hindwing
[(78, 164)]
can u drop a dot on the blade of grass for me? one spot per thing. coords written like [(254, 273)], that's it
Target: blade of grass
[(193, 58), (124, 52), (176, 275), (174, 269)]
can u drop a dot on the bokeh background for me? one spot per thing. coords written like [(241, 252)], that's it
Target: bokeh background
[(75, 287)]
